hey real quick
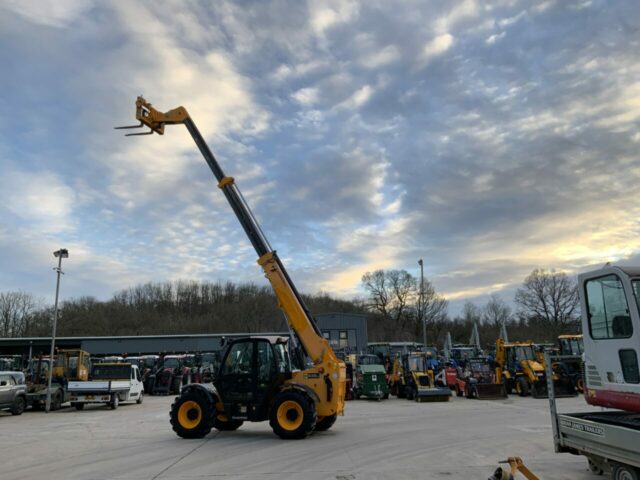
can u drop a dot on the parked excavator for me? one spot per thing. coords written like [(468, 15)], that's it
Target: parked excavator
[(299, 384)]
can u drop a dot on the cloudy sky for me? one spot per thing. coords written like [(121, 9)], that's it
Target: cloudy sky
[(489, 138)]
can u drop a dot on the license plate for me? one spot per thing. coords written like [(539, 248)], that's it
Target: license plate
[(374, 378)]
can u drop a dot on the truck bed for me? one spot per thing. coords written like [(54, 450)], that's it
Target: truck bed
[(614, 435), (99, 386)]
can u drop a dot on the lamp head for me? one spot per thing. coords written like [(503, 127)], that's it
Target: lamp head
[(63, 252)]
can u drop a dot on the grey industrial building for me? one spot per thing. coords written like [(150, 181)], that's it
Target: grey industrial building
[(343, 330)]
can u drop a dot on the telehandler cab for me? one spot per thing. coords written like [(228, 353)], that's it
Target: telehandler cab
[(257, 380)]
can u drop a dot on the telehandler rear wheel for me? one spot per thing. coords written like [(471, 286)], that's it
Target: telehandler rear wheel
[(191, 415), (325, 423), (292, 415)]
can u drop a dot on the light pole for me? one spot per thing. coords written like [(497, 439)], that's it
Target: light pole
[(59, 254), (421, 302)]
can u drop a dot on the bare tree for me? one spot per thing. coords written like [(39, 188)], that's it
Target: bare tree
[(471, 313), (16, 313), (550, 297), (496, 312)]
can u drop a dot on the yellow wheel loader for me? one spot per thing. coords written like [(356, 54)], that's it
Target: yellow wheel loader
[(299, 385)]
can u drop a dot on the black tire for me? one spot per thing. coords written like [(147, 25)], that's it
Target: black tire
[(523, 385), (385, 396), (115, 402), (459, 392), (56, 402), (409, 393), (292, 415), (624, 472), (79, 406), (19, 404), (508, 386), (325, 423), (140, 398), (191, 415), (226, 425), (356, 394)]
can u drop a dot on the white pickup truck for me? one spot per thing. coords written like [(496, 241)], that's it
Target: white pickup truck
[(110, 384)]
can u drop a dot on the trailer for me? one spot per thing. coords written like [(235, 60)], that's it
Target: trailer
[(610, 440)]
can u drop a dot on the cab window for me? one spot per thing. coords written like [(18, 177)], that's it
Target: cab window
[(608, 311), (266, 362), (239, 358)]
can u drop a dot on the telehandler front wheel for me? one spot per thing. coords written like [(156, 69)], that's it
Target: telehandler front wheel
[(191, 415), (292, 415)]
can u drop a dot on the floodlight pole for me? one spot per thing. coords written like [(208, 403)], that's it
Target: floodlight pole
[(60, 254), (424, 318)]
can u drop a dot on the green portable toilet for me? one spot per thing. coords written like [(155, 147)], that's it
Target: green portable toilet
[(371, 382)]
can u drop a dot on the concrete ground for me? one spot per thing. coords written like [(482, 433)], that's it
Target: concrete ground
[(392, 439)]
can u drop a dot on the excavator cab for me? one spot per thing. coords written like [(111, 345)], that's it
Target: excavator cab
[(611, 325)]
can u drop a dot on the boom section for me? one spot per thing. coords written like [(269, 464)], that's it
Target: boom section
[(289, 300)]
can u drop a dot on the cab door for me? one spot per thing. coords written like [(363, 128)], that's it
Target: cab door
[(238, 378)]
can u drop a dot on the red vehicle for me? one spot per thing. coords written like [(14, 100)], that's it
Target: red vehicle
[(477, 380)]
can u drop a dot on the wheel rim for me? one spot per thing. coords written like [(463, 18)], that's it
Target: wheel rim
[(580, 384), (189, 414), (290, 415), (518, 387), (624, 474)]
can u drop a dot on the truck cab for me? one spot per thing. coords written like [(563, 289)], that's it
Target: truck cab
[(611, 328)]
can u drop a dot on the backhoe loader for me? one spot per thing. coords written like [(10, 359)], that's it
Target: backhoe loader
[(299, 384), (413, 378), (518, 367)]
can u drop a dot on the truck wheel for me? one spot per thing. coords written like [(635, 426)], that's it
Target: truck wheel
[(190, 415), (522, 387), (292, 415), (18, 406), (79, 406), (226, 425), (139, 400), (458, 391), (325, 423), (624, 472), (115, 401), (508, 386), (56, 402), (385, 396)]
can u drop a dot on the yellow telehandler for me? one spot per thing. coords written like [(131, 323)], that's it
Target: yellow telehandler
[(298, 385)]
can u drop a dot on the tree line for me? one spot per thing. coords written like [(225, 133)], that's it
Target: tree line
[(397, 304)]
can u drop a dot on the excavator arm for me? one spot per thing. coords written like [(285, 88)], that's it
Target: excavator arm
[(290, 301)]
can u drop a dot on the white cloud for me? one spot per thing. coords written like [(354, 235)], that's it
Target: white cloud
[(358, 98), (434, 48), (381, 58), (306, 96), (49, 12), (40, 198)]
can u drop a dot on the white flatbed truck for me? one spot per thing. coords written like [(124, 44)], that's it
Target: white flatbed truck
[(110, 384), (610, 439)]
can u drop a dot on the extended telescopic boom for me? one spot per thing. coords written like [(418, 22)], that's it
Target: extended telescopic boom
[(298, 316)]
